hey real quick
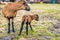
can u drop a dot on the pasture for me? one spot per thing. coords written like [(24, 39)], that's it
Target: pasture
[(47, 28)]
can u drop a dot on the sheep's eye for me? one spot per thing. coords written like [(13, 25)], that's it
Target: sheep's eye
[(23, 3)]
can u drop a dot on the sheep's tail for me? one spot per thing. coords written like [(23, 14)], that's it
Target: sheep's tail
[(3, 2)]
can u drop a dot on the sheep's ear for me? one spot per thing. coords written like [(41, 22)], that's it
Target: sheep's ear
[(21, 0)]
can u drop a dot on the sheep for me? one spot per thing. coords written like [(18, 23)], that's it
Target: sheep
[(27, 19), (10, 10)]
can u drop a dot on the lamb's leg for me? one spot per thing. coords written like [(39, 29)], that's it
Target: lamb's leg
[(30, 26), (13, 25), (27, 28), (8, 25), (22, 24)]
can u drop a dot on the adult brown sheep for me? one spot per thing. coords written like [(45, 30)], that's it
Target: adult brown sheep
[(10, 10)]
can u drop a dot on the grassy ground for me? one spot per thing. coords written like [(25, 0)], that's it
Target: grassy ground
[(44, 29)]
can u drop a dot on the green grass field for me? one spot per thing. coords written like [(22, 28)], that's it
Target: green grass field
[(49, 15)]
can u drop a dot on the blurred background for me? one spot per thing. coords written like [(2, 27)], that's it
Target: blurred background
[(34, 1)]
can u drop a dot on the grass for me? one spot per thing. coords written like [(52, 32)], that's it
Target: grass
[(43, 30), (46, 6), (40, 31)]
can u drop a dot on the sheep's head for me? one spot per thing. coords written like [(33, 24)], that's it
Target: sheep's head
[(22, 5)]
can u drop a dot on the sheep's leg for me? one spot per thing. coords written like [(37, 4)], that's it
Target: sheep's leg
[(30, 26), (13, 25), (8, 25), (22, 24), (27, 28)]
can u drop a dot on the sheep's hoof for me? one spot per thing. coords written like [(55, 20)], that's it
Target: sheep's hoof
[(13, 31), (8, 32), (26, 33)]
